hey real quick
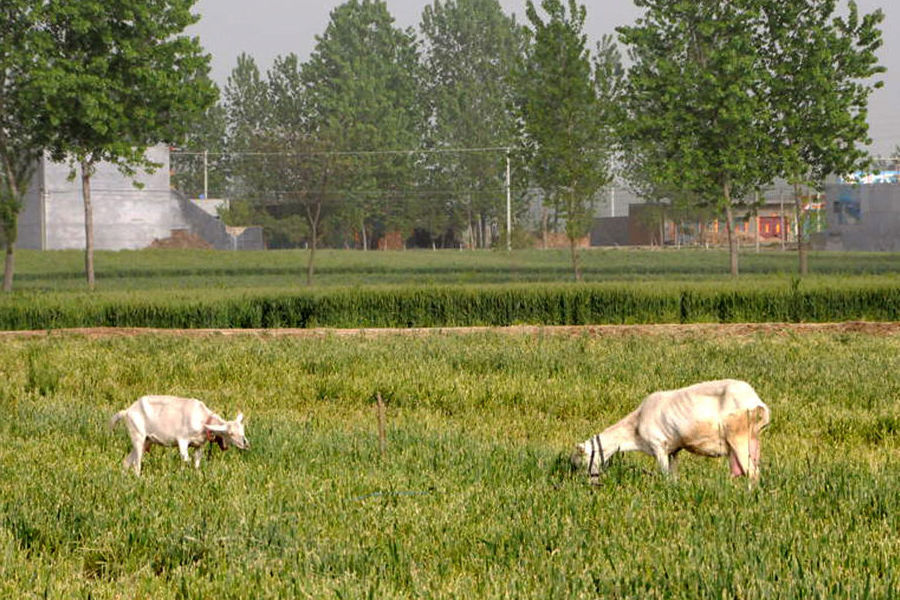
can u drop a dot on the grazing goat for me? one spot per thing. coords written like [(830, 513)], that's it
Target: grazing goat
[(713, 418), (174, 421)]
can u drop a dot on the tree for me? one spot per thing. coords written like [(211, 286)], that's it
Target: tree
[(21, 64), (471, 50), (246, 104), (361, 84), (199, 165), (564, 129), (121, 78), (697, 93), (822, 71), (299, 165)]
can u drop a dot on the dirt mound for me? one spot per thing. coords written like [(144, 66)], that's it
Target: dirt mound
[(181, 238)]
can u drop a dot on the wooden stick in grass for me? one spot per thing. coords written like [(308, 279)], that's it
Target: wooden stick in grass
[(382, 438)]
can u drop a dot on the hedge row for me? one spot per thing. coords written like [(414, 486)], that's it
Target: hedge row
[(456, 306)]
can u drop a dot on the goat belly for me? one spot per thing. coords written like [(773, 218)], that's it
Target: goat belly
[(704, 438)]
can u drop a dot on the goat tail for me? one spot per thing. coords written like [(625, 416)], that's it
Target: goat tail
[(116, 418)]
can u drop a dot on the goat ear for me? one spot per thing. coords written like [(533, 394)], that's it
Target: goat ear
[(240, 417), (216, 428)]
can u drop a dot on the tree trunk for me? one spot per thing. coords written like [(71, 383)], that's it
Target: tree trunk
[(576, 262), (801, 236), (312, 218), (87, 168), (10, 228), (365, 238), (310, 263), (9, 265), (732, 240), (544, 218), (662, 228)]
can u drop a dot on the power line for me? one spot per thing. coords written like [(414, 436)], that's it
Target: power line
[(349, 152)]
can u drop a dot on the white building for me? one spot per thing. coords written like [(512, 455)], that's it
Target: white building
[(125, 216)]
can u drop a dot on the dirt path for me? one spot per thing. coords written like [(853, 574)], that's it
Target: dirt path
[(676, 330)]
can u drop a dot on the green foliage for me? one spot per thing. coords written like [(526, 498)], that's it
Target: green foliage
[(697, 101), (120, 76), (371, 103), (565, 128), (123, 77), (202, 155), (470, 51), (725, 96), (21, 62), (472, 499), (247, 104), (823, 70)]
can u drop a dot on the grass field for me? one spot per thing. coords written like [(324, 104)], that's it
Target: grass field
[(209, 269), (471, 500), (191, 289)]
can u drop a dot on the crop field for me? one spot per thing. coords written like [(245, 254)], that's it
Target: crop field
[(197, 289), (473, 497), (186, 270)]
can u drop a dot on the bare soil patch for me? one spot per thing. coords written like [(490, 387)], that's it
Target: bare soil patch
[(181, 239), (672, 330)]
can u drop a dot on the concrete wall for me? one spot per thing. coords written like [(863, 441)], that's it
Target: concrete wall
[(861, 217), (214, 231), (610, 231), (125, 217)]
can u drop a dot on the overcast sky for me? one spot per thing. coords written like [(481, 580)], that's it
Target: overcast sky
[(265, 29)]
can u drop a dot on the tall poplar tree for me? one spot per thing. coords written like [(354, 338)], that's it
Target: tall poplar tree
[(199, 165), (471, 49), (123, 76), (565, 134), (362, 86), (245, 99), (822, 69), (21, 65), (697, 95)]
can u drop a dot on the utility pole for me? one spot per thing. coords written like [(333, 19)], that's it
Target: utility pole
[(756, 205), (205, 175), (783, 224), (508, 206)]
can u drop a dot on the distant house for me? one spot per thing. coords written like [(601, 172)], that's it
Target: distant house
[(645, 224), (125, 216), (862, 216)]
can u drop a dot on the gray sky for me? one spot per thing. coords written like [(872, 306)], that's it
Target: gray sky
[(265, 29)]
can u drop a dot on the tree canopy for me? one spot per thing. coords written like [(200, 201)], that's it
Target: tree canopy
[(121, 76), (822, 68), (566, 138), (470, 50), (698, 90), (21, 66)]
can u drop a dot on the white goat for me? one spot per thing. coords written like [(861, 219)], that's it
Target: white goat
[(174, 421), (713, 418)]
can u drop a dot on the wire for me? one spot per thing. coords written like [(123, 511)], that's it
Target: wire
[(348, 152)]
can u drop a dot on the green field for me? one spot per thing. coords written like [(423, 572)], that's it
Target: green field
[(471, 500), (286, 269), (209, 289)]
